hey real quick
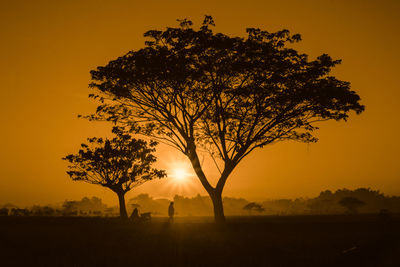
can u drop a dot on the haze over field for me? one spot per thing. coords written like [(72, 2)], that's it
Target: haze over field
[(49, 47)]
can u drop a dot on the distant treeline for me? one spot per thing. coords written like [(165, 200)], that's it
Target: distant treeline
[(326, 203), (362, 200), (84, 207)]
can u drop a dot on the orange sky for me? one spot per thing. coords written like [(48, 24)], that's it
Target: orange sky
[(49, 47)]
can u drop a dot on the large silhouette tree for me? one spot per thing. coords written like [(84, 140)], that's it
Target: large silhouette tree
[(120, 164), (198, 90)]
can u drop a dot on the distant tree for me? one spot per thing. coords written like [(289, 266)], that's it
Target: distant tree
[(234, 206), (42, 211), (88, 205), (252, 206), (9, 206), (325, 203), (19, 212), (351, 204), (196, 90), (119, 164), (195, 206), (70, 208)]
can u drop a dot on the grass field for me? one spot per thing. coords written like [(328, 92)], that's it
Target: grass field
[(362, 240)]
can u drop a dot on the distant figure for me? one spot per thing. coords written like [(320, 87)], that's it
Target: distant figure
[(171, 212), (135, 215)]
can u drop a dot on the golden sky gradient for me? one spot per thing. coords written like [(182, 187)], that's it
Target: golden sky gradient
[(49, 47)]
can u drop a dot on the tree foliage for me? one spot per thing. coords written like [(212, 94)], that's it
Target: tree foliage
[(351, 204), (196, 89), (120, 163), (253, 206)]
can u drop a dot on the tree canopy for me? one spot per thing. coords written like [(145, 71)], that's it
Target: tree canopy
[(351, 204), (196, 89), (253, 206), (119, 164)]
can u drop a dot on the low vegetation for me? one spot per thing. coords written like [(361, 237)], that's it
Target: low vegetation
[(326, 203)]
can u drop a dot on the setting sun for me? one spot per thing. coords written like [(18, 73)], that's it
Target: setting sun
[(179, 174)]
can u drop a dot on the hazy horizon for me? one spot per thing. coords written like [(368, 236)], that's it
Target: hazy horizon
[(49, 47), (112, 200)]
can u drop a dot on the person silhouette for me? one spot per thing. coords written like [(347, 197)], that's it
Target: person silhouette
[(171, 212), (135, 215)]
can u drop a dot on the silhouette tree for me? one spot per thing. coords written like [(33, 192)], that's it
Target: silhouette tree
[(351, 204), (202, 91), (119, 164), (37, 210), (253, 206)]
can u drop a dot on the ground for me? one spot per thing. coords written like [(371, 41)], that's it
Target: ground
[(346, 240)]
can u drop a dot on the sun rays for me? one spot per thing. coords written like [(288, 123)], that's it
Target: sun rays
[(181, 178), (180, 175)]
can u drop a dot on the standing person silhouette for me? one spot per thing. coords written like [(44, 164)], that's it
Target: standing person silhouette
[(171, 212), (135, 215)]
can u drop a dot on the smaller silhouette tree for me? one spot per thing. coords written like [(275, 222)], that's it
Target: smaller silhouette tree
[(252, 206), (351, 204), (120, 164)]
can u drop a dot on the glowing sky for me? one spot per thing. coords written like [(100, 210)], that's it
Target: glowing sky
[(49, 47)]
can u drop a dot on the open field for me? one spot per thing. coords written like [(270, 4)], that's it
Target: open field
[(362, 240)]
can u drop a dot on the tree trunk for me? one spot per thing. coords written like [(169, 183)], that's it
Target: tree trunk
[(122, 207), (215, 193), (219, 216)]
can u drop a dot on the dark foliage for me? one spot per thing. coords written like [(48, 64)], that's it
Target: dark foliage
[(351, 204), (196, 89), (119, 164), (252, 206)]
